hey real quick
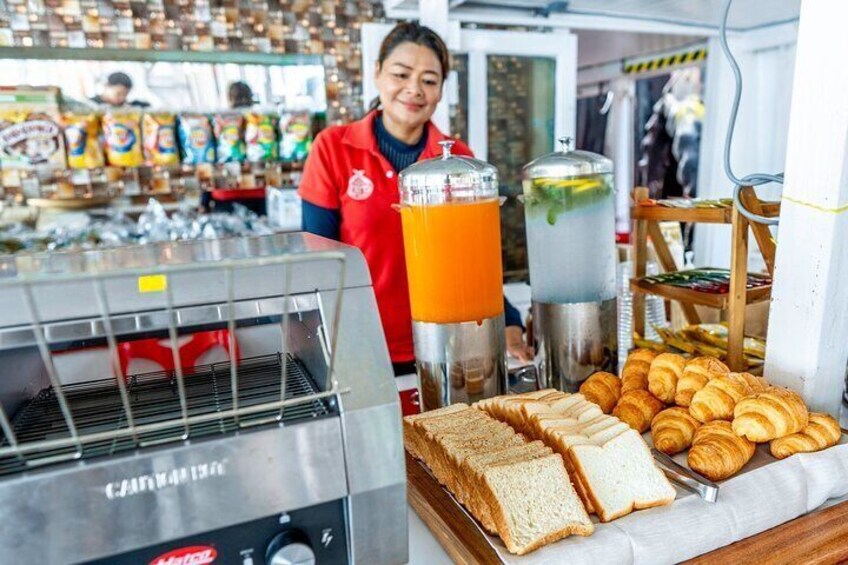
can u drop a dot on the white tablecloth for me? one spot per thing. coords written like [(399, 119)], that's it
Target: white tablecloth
[(766, 495)]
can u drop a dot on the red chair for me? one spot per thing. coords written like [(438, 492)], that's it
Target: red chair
[(159, 350)]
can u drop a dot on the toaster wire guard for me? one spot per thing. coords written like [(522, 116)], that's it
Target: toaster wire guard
[(195, 415)]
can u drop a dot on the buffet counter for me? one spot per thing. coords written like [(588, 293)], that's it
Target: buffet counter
[(797, 507)]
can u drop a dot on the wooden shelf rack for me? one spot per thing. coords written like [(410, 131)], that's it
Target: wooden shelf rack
[(646, 220)]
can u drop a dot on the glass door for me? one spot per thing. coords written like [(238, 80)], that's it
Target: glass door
[(521, 120), (528, 82)]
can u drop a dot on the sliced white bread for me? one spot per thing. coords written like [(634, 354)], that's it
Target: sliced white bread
[(430, 429), (455, 448), (533, 503), (412, 437), (620, 476), (472, 485)]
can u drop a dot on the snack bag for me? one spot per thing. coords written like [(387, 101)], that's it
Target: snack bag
[(295, 136), (229, 131), (30, 138), (160, 139), (196, 139), (122, 135), (81, 135), (261, 137)]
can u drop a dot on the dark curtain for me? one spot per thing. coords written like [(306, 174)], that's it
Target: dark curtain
[(591, 124), (648, 92)]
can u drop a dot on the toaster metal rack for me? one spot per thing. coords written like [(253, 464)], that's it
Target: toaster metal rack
[(154, 399), (302, 430)]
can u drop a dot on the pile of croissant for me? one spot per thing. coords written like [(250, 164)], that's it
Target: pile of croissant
[(698, 404)]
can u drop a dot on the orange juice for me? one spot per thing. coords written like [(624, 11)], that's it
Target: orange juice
[(453, 261)]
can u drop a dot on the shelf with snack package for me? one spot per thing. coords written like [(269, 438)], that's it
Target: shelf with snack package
[(95, 156), (729, 290)]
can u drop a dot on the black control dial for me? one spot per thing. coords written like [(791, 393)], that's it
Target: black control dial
[(290, 547)]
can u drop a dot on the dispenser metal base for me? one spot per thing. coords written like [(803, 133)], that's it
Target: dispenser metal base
[(463, 362), (575, 340)]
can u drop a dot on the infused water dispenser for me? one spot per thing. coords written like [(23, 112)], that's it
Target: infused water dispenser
[(451, 233), (570, 217)]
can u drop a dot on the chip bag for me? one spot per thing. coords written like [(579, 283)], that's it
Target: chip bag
[(196, 139), (122, 137), (295, 136), (81, 136), (261, 137), (160, 139), (229, 131)]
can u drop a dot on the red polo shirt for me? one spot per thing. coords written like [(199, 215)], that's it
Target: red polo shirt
[(345, 171)]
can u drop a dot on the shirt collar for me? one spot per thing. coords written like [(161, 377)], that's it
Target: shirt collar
[(360, 134)]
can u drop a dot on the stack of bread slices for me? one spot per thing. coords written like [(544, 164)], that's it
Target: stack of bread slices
[(609, 463), (516, 488)]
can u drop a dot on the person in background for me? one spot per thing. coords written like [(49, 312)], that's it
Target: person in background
[(350, 180), (116, 92), (239, 95)]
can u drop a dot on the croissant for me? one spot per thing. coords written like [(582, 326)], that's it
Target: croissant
[(718, 453), (662, 378), (768, 415), (604, 389), (637, 409), (634, 375), (697, 373), (673, 430), (719, 396), (821, 432)]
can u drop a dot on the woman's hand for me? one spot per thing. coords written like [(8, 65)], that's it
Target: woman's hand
[(516, 346)]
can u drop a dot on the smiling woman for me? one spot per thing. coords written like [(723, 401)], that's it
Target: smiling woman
[(411, 68), (350, 181)]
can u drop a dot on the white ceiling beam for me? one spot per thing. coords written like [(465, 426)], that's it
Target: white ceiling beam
[(568, 21), (391, 4)]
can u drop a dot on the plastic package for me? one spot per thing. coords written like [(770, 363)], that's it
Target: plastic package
[(229, 132), (160, 139), (82, 136), (295, 136), (122, 138), (261, 137), (196, 139)]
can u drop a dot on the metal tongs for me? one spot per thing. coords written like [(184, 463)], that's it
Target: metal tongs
[(686, 478)]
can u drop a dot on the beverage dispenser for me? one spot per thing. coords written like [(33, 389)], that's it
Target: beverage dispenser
[(570, 215), (451, 234)]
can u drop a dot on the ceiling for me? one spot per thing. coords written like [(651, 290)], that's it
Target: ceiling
[(596, 47), (744, 15)]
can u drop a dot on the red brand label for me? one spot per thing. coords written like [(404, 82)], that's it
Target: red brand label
[(194, 555)]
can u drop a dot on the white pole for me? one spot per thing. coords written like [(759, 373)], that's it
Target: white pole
[(621, 149), (434, 14), (807, 346)]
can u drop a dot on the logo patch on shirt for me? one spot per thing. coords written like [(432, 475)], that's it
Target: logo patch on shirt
[(359, 187)]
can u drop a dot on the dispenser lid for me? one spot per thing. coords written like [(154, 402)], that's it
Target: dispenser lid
[(448, 176), (566, 163)]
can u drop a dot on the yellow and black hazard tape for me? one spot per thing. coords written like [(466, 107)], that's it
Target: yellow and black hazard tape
[(665, 62)]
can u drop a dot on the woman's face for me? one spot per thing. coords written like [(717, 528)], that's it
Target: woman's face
[(410, 84)]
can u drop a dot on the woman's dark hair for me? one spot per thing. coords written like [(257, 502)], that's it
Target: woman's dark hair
[(240, 95), (420, 35)]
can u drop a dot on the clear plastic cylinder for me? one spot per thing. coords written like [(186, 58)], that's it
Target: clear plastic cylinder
[(452, 240), (569, 207)]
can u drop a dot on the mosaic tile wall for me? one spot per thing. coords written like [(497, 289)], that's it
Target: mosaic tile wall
[(520, 130), (315, 27)]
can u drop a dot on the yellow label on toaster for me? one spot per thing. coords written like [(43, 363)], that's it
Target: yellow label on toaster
[(152, 283)]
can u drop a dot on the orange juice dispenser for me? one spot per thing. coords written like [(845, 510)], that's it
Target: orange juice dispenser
[(452, 240)]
